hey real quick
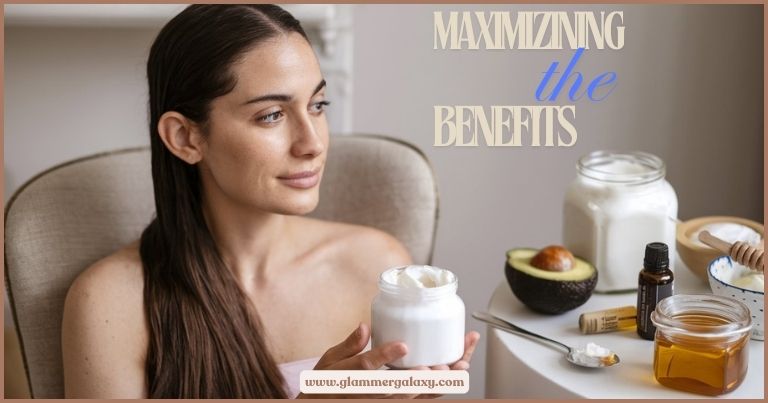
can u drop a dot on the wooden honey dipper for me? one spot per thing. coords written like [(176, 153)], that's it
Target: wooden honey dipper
[(739, 251)]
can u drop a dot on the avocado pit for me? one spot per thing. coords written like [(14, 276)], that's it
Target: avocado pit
[(553, 258)]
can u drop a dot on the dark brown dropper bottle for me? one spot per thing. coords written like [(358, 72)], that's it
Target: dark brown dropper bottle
[(655, 284)]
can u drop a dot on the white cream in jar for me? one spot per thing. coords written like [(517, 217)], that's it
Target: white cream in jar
[(729, 232), (418, 305), (618, 203)]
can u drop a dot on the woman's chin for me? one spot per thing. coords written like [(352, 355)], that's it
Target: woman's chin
[(299, 212), (299, 207)]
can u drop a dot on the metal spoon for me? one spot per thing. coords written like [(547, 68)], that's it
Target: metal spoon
[(573, 355)]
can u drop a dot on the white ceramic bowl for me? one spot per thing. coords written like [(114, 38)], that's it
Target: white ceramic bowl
[(721, 273)]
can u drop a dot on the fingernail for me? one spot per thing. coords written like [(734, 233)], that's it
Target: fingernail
[(400, 348)]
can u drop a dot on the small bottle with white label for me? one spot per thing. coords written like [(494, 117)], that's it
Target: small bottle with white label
[(655, 283), (608, 320)]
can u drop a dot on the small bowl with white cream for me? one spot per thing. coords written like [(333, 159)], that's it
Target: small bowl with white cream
[(696, 255), (418, 306), (730, 279)]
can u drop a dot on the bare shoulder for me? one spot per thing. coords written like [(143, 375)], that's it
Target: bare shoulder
[(114, 283), (104, 331), (371, 240), (358, 245)]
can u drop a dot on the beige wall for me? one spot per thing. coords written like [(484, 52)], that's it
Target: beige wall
[(71, 92), (690, 90)]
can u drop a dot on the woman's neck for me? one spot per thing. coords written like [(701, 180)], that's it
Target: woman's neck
[(252, 243)]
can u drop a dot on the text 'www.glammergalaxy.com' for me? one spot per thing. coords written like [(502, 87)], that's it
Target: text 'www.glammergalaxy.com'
[(384, 382)]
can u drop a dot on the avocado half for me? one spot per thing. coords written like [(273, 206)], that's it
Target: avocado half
[(548, 291)]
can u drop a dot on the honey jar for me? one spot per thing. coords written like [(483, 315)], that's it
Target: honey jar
[(702, 343)]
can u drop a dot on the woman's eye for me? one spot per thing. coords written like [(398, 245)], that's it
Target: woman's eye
[(319, 107), (272, 117)]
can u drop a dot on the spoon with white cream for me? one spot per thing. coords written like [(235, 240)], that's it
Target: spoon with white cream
[(591, 356)]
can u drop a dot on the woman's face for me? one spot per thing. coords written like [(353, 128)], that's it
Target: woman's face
[(266, 141)]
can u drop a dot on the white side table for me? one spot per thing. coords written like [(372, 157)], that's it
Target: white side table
[(517, 367)]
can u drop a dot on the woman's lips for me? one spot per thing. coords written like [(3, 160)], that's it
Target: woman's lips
[(301, 180)]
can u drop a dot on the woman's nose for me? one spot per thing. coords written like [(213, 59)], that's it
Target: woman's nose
[(308, 137)]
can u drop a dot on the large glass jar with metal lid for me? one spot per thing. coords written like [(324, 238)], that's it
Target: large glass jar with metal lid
[(618, 203)]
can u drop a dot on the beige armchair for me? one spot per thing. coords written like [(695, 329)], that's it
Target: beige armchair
[(71, 215)]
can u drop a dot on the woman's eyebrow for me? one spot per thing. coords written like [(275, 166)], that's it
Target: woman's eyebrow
[(281, 97), (319, 87), (269, 97)]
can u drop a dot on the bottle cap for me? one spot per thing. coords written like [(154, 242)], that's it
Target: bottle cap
[(656, 256)]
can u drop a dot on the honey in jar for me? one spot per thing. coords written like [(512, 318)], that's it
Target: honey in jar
[(701, 343)]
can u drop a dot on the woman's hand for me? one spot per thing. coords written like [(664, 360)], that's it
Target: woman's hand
[(346, 356), (470, 342)]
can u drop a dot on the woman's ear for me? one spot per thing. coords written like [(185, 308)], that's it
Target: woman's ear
[(181, 136)]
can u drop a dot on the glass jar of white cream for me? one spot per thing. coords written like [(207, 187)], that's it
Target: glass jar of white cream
[(618, 203), (418, 305)]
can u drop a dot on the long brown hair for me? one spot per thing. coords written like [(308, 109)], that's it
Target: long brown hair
[(205, 338)]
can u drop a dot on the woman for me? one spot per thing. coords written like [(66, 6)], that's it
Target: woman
[(230, 291)]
